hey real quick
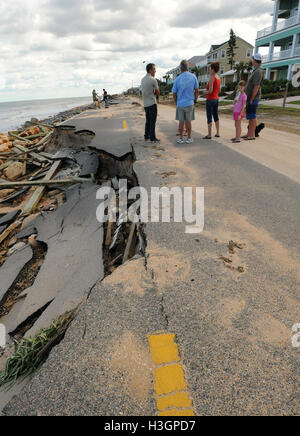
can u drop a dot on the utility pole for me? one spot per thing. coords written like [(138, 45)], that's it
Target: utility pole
[(285, 94)]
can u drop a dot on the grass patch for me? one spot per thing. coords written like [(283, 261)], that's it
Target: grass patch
[(294, 102), (31, 353), (221, 103), (279, 110)]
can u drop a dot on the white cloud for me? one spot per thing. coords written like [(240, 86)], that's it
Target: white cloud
[(59, 48)]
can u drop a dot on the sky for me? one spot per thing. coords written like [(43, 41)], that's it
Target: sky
[(66, 48)]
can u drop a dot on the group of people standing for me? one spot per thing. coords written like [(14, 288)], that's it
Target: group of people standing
[(186, 92), (97, 99)]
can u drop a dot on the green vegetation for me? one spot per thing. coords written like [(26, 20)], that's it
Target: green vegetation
[(241, 68), (271, 90), (31, 353), (294, 102), (231, 49), (221, 103), (279, 110), (164, 87)]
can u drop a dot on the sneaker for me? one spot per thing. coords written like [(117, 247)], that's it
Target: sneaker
[(180, 141), (189, 141), (155, 141)]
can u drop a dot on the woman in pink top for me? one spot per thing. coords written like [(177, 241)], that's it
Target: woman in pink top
[(239, 110)]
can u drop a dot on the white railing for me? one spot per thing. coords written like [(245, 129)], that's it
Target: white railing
[(264, 32), (286, 23), (280, 26), (204, 78), (284, 54)]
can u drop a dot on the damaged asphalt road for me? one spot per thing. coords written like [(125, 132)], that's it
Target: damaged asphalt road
[(232, 326), (74, 239)]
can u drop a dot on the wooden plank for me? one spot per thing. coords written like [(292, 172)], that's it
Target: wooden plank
[(8, 231), (27, 138), (19, 138), (5, 184), (16, 153), (47, 155), (109, 225), (39, 192), (109, 234), (35, 156), (129, 242), (6, 164)]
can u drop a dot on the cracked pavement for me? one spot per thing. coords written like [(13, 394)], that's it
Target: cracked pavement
[(233, 329)]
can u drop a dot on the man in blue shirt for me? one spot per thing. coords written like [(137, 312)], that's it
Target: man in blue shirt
[(185, 93)]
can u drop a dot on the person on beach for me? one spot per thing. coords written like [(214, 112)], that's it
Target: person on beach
[(185, 93), (150, 93), (239, 110), (105, 99), (96, 99), (212, 99), (253, 91)]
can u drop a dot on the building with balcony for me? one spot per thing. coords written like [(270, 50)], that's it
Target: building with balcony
[(282, 40), (218, 53)]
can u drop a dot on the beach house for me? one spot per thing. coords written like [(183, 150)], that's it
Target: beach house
[(218, 53), (282, 40)]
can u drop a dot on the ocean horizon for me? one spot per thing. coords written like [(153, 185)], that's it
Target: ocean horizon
[(14, 113)]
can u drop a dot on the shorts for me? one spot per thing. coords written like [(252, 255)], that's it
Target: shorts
[(237, 114), (251, 110), (212, 110), (186, 113)]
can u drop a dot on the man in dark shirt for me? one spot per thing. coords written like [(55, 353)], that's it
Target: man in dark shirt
[(253, 91), (105, 99)]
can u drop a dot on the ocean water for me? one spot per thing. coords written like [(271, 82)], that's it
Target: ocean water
[(14, 114)]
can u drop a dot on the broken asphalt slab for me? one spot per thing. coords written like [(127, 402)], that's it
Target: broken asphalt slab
[(12, 268), (87, 161), (108, 134), (73, 263), (8, 219)]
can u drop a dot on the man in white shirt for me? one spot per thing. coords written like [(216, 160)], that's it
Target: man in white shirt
[(150, 92)]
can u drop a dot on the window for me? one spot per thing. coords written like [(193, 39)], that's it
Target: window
[(223, 54), (249, 52), (222, 70)]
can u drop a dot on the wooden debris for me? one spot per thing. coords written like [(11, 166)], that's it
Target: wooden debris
[(9, 230), (71, 180), (129, 242), (35, 199)]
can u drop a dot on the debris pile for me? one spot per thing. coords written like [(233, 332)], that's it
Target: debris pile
[(32, 180), (22, 161), (52, 248)]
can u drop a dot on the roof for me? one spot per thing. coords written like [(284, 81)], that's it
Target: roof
[(216, 47), (191, 63), (196, 59), (173, 70), (228, 73)]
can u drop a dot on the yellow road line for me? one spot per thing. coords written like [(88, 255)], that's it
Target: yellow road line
[(170, 385), (125, 125)]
